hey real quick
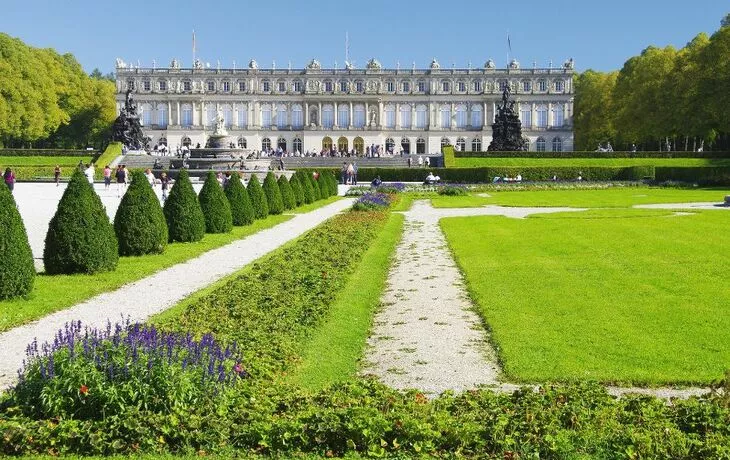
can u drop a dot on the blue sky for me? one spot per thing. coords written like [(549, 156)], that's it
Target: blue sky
[(599, 35)]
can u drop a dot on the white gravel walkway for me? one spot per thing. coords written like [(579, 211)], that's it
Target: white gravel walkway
[(160, 291)]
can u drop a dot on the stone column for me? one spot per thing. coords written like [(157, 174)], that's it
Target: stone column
[(367, 115), (337, 115), (319, 114), (397, 116), (380, 114), (533, 116), (453, 116), (413, 120), (485, 116), (550, 114), (256, 114), (350, 125), (306, 114)]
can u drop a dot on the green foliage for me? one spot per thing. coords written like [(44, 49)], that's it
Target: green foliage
[(305, 178), (315, 187), (332, 180), (139, 223), (448, 152), (80, 238), (215, 206), (17, 272), (460, 156), (287, 195), (112, 151), (185, 220), (297, 189), (241, 208), (273, 194), (50, 154), (259, 201), (696, 175), (452, 190)]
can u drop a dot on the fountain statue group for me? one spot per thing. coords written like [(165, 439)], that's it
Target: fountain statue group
[(127, 129), (507, 128)]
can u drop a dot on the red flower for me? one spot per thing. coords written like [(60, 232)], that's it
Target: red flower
[(238, 368), (84, 390)]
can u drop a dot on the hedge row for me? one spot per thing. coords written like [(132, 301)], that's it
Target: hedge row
[(46, 153), (531, 154), (703, 175), (485, 175)]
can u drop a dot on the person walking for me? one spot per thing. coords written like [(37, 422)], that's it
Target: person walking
[(89, 172), (9, 177), (343, 173), (350, 173), (57, 175), (165, 183), (354, 173), (120, 176), (107, 177)]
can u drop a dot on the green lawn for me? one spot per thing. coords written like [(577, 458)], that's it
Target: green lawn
[(577, 162), (68, 162), (53, 293), (628, 296), (609, 197)]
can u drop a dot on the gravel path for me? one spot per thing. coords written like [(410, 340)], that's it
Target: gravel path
[(160, 291)]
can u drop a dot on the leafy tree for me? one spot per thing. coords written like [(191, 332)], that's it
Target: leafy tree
[(17, 272), (297, 190), (594, 111), (241, 209), (287, 195), (215, 207), (139, 223), (80, 238), (258, 198), (273, 194), (185, 220)]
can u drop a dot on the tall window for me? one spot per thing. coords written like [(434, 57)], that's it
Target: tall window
[(389, 144), (406, 87), (359, 116), (281, 118), (297, 116), (559, 86), (420, 145), (266, 117), (421, 116), (187, 115), (557, 144), (542, 114), (558, 116), (540, 144), (390, 86), (297, 145), (343, 86), (526, 115), (146, 115), (211, 85), (328, 116), (343, 115), (328, 86), (146, 85), (297, 86), (461, 116), (242, 142), (226, 86), (390, 116), (542, 85), (130, 84), (228, 116), (162, 85), (281, 87), (476, 116), (266, 144), (526, 86), (477, 86), (358, 86), (503, 84), (461, 86), (242, 121), (476, 145), (445, 116), (421, 86), (461, 144), (187, 85), (405, 144), (405, 116), (445, 86), (444, 142), (162, 116), (241, 86), (211, 115), (266, 86)]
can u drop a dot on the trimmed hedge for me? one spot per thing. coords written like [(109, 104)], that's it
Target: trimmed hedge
[(17, 272), (80, 238), (287, 195), (185, 220), (273, 194), (304, 178), (532, 154), (46, 153), (703, 175), (241, 208), (139, 223), (215, 207), (258, 198), (297, 189)]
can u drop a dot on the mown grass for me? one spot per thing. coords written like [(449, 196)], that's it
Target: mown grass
[(598, 198), (62, 161), (54, 293), (578, 162), (333, 353), (628, 296)]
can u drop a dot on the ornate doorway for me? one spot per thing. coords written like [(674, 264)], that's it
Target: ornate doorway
[(342, 144), (359, 145), (327, 143)]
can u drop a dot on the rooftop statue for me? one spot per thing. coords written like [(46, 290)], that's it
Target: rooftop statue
[(253, 65), (314, 65), (374, 64), (174, 64), (489, 64), (435, 64)]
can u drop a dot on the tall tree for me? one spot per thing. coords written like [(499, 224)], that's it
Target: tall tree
[(594, 109)]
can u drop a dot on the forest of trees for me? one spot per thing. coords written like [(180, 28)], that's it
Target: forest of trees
[(663, 97), (46, 99)]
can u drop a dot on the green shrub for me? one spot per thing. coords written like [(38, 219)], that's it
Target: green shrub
[(80, 238), (297, 189), (449, 161), (185, 220), (273, 194), (287, 195), (139, 223), (241, 209), (17, 272), (304, 178), (44, 153), (716, 175), (584, 154), (315, 187), (452, 190), (258, 198), (324, 191), (215, 207), (333, 183)]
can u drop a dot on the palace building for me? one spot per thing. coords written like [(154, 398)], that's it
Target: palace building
[(310, 109)]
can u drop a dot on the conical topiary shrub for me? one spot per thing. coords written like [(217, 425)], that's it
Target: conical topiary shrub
[(287, 196), (273, 194), (80, 238), (185, 220), (309, 196), (297, 190), (139, 223), (215, 207), (17, 271), (324, 190), (333, 184), (258, 198), (315, 187), (241, 209)]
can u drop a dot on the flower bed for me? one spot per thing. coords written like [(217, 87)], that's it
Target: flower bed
[(372, 201)]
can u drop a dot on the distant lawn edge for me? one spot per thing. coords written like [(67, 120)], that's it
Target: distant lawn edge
[(334, 351)]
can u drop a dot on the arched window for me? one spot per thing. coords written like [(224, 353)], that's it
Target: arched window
[(445, 141), (162, 141), (210, 115), (540, 144), (266, 117), (541, 116), (359, 116), (241, 142), (557, 144), (476, 145), (187, 115), (228, 115), (326, 143), (421, 116), (405, 116), (446, 116), (297, 145), (558, 116), (162, 116), (461, 144), (146, 118), (389, 145), (461, 116), (342, 144), (359, 145), (328, 116), (266, 144), (186, 141), (242, 120), (476, 116), (420, 145), (297, 116), (281, 144), (343, 115), (405, 144), (526, 115), (281, 118), (390, 116)]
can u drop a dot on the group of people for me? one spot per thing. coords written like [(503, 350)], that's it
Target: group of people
[(420, 161), (348, 173)]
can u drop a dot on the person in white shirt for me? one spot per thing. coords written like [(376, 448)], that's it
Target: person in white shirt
[(150, 177), (89, 172)]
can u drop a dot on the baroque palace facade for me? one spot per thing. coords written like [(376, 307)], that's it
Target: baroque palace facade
[(311, 109)]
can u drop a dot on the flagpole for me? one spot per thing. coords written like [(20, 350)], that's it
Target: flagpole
[(193, 48)]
